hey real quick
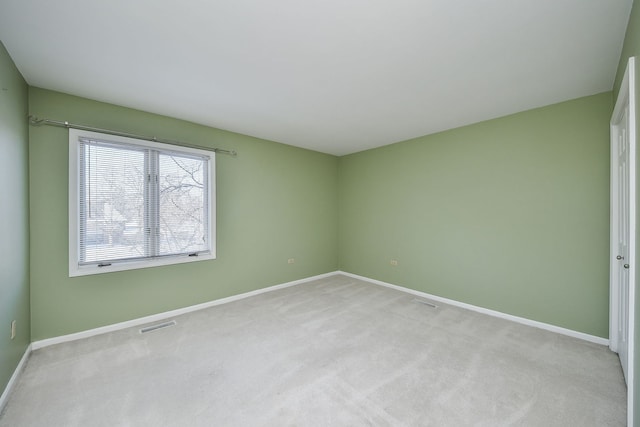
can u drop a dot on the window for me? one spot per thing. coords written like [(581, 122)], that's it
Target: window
[(136, 204)]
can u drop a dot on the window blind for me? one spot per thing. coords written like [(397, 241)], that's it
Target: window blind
[(137, 202)]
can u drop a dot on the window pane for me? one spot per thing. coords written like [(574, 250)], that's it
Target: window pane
[(136, 203), (182, 204), (111, 202)]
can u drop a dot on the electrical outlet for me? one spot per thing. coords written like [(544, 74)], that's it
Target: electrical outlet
[(291, 260), (394, 262), (13, 329)]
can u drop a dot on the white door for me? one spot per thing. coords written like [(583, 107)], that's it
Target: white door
[(623, 231), (621, 268)]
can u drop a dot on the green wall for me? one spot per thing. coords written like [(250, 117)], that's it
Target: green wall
[(14, 214), (274, 202), (510, 214), (631, 47)]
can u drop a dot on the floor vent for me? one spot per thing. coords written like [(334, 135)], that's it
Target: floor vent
[(157, 326), (427, 303)]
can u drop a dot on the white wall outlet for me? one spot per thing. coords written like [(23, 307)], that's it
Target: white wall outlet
[(291, 260), (13, 329), (394, 262)]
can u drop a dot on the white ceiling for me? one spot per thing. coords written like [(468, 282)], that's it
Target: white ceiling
[(336, 76)]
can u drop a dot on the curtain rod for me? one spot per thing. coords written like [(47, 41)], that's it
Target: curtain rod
[(35, 121)]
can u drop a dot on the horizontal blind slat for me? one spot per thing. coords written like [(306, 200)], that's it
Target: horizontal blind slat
[(138, 203), (111, 202)]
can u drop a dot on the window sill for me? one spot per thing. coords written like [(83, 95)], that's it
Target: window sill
[(87, 270)]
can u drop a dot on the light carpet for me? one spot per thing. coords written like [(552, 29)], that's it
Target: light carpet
[(332, 352)]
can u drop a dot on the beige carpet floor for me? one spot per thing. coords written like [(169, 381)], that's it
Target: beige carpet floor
[(333, 352)]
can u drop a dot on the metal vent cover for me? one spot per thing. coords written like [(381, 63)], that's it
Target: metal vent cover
[(427, 303), (157, 326)]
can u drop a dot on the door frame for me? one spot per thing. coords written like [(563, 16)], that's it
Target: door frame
[(626, 98)]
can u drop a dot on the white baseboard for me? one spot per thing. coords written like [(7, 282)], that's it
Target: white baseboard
[(522, 320), (168, 314), (14, 378), (161, 316)]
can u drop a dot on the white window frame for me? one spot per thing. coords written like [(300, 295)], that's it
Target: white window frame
[(75, 269)]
